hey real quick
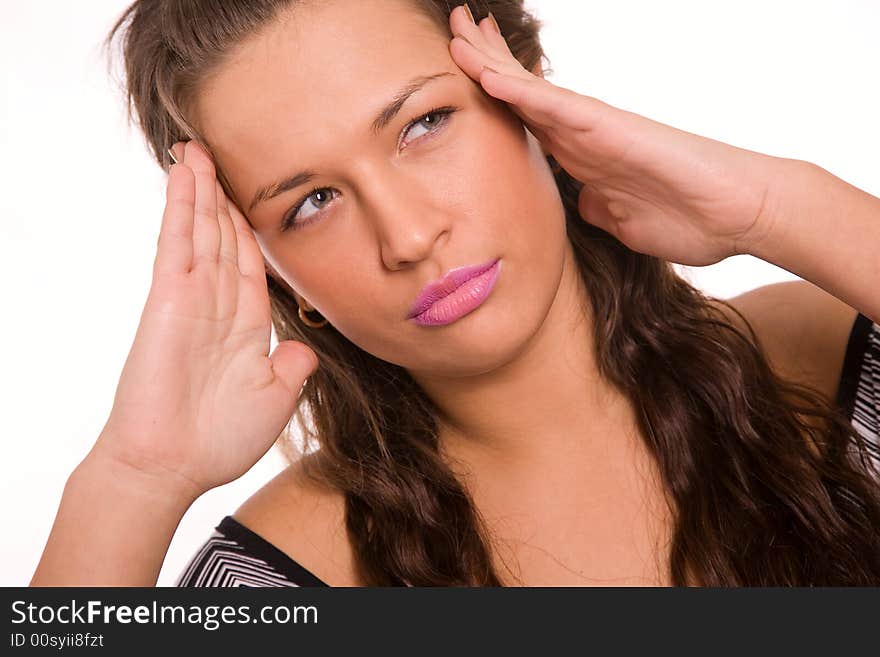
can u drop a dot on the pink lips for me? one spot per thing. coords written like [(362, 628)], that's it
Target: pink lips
[(453, 280)]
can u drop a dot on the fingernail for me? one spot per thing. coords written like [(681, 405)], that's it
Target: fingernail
[(468, 12), (494, 23), (177, 151)]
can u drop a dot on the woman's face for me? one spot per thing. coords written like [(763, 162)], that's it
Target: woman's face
[(396, 208)]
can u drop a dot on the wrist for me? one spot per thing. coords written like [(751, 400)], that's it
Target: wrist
[(824, 230), (165, 490), (787, 183), (113, 526)]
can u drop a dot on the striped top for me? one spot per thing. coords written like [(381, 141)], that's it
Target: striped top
[(234, 555), (859, 391)]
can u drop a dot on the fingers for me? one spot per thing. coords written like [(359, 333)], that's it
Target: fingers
[(228, 240), (250, 258), (471, 59), (543, 103), (492, 32), (174, 254), (206, 227), (484, 36), (243, 251), (527, 98), (534, 99), (189, 228), (477, 46), (475, 63)]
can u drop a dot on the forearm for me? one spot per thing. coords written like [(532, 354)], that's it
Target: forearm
[(113, 528), (827, 232)]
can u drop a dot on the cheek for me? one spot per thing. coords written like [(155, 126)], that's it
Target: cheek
[(495, 190), (504, 178)]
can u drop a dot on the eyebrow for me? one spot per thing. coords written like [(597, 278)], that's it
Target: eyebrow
[(383, 118)]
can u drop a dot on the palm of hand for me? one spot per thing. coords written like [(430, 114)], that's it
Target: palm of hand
[(200, 400), (659, 190)]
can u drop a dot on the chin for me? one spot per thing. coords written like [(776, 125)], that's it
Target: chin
[(481, 342)]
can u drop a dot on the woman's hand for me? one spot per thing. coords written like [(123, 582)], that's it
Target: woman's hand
[(200, 400), (659, 190)]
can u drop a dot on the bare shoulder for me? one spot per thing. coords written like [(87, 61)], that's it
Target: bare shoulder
[(803, 329), (304, 520)]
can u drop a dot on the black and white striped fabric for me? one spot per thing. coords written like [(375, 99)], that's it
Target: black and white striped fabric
[(236, 556), (859, 392)]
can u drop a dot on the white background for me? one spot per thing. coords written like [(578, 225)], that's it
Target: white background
[(81, 199)]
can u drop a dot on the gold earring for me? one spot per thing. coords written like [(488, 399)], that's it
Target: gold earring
[(308, 322)]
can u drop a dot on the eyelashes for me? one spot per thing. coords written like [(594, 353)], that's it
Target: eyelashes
[(289, 221)]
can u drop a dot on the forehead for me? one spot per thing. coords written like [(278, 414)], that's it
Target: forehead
[(319, 71)]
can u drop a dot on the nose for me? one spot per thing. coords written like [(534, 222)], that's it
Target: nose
[(407, 215)]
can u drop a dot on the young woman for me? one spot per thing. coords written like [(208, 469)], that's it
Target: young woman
[(467, 268)]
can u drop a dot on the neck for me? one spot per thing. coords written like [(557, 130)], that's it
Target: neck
[(547, 408)]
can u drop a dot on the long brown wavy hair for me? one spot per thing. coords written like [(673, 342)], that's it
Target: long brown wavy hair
[(769, 483)]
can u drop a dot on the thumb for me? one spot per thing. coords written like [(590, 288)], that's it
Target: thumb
[(293, 362), (593, 208)]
